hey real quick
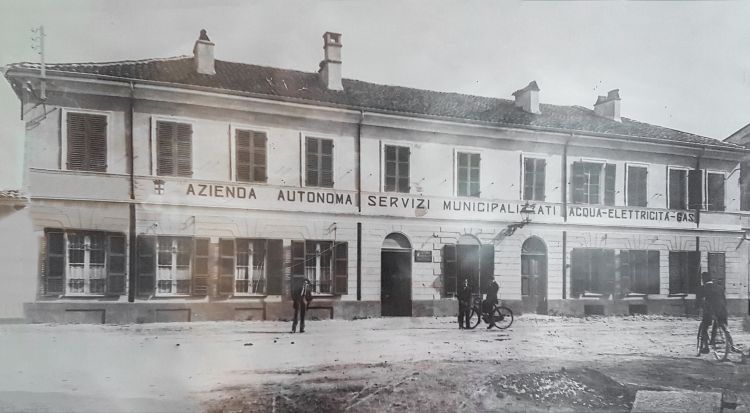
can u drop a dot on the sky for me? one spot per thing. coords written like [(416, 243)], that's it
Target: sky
[(682, 65)]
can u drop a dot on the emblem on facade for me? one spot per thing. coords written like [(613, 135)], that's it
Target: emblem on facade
[(159, 186)]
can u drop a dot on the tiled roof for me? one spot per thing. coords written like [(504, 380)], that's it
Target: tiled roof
[(307, 88), (13, 197)]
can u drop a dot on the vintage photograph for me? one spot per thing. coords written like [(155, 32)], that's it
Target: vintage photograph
[(394, 206)]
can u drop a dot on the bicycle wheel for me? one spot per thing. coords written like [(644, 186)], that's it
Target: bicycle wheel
[(721, 343), (502, 317), (474, 318)]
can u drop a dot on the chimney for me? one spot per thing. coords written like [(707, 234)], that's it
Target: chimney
[(330, 67), (203, 55), (528, 98), (609, 106)]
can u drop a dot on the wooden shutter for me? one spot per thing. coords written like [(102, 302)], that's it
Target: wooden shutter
[(449, 270), (717, 268), (226, 266), (275, 266), (715, 196), (298, 259), (528, 179), (312, 173), (184, 149), (577, 182), (341, 268), (146, 264), (637, 186), (165, 162), (694, 271), (486, 264), (695, 189), (87, 142), (326, 163), (609, 183), (579, 263), (260, 157), (745, 186), (653, 277), (243, 151), (607, 260), (540, 172), (627, 273), (677, 189), (404, 157), (116, 255), (54, 274), (200, 266), (675, 276)]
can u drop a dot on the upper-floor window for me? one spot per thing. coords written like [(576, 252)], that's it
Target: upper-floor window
[(467, 174), (84, 263), (174, 149), (533, 179), (715, 191), (593, 183), (250, 151), (745, 186), (319, 162), (396, 169), (86, 142), (637, 186)]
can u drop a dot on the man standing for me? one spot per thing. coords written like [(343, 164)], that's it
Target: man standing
[(710, 298), (489, 303), (301, 297), (464, 305)]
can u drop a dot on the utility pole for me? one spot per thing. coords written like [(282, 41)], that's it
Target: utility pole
[(39, 47)]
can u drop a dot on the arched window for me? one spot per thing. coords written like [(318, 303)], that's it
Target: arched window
[(396, 241)]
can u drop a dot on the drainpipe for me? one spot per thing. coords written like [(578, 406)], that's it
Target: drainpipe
[(564, 191), (132, 251), (358, 169)]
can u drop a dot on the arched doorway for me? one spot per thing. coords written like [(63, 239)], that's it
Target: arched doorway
[(395, 276), (534, 276)]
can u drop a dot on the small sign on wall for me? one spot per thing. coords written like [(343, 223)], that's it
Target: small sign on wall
[(422, 256)]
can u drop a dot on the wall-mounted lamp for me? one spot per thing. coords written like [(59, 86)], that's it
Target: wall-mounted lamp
[(526, 211)]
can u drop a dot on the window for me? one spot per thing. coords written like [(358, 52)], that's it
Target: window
[(684, 272), (745, 186), (250, 151), (319, 162), (593, 271), (717, 268), (593, 183), (87, 142), (396, 169), (169, 266), (639, 271), (637, 186), (84, 263), (324, 263), (174, 149), (533, 179), (685, 189), (468, 174), (250, 266), (715, 191)]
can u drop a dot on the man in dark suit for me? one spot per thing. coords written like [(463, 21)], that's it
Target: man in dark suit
[(710, 298), (301, 296), (464, 305), (490, 301)]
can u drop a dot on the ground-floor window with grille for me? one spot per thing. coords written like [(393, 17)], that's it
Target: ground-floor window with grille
[(172, 266), (639, 271), (173, 273), (83, 263), (250, 266), (324, 263), (592, 271)]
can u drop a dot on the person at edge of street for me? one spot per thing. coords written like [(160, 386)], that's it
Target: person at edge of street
[(464, 305), (490, 301), (301, 297), (710, 298)]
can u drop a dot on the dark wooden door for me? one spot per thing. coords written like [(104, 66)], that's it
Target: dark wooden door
[(395, 280)]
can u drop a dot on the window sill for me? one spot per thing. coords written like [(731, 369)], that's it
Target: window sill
[(240, 295), (593, 295), (636, 295), (175, 296), (86, 296), (677, 295)]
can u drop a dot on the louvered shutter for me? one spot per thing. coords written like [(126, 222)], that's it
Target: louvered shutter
[(608, 258), (312, 174), (165, 162), (609, 184), (87, 142), (695, 189), (55, 268), (226, 266), (260, 157), (653, 279), (275, 267), (184, 149), (677, 189), (715, 196), (579, 271), (540, 172), (341, 268), (486, 266), (636, 190), (675, 273), (694, 271), (449, 270), (243, 149), (577, 182), (528, 178), (627, 275), (116, 245), (326, 163), (200, 266), (146, 264)]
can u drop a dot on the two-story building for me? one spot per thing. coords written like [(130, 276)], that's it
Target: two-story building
[(192, 188)]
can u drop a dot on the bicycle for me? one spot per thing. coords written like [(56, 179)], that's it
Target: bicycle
[(500, 316), (720, 342)]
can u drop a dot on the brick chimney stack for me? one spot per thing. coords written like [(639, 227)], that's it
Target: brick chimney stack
[(609, 106), (330, 67), (528, 98), (203, 55)]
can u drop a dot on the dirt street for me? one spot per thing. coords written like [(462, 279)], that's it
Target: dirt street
[(399, 364)]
